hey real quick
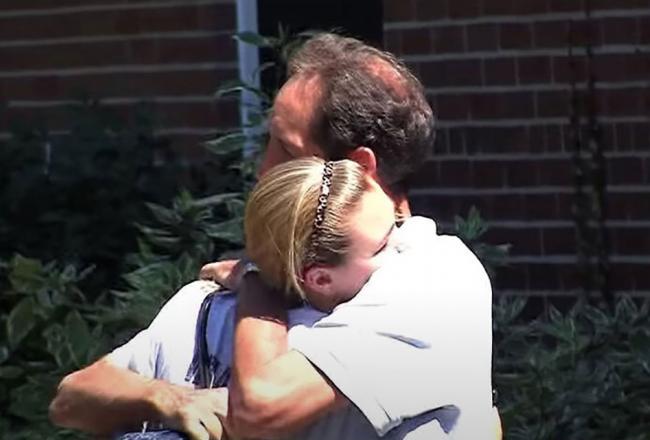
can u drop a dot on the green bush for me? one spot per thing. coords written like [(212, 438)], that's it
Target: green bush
[(582, 374)]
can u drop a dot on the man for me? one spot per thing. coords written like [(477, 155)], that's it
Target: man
[(343, 99)]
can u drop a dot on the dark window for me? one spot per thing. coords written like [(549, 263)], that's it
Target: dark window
[(362, 19)]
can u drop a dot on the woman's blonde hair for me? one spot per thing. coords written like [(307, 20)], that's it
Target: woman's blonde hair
[(279, 221)]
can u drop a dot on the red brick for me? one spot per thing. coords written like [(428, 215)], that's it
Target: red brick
[(116, 53), (456, 173), (543, 277), (499, 7), (482, 37), (521, 173), (452, 107), (497, 139), (515, 36), (583, 32), (620, 30), (428, 175), (448, 39), (94, 23), (399, 10), (220, 48), (224, 115), (541, 207), (555, 172), (536, 139), (620, 102), (416, 41), (464, 8), (628, 206), (553, 104), (393, 41), (625, 171), (558, 241), (565, 5), (431, 10), (624, 137), (566, 69), (456, 141), (523, 241), (529, 7), (565, 206), (548, 34), (608, 137), (487, 175), (117, 84), (534, 70), (622, 278), (554, 138), (630, 241), (641, 136), (451, 73), (644, 30), (618, 4), (499, 71), (11, 5), (511, 277), (502, 105)]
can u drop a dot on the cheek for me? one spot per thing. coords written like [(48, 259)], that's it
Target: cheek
[(359, 273)]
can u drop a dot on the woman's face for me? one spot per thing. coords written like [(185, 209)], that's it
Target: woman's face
[(371, 226)]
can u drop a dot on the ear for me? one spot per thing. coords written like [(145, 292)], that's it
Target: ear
[(318, 280), (365, 157)]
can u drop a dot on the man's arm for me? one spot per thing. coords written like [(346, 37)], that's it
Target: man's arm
[(103, 399), (273, 391)]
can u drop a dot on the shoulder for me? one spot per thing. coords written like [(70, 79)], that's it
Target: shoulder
[(186, 302)]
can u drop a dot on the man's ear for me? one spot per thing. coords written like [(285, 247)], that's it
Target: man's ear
[(365, 157)]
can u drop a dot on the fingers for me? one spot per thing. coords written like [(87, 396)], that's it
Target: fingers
[(196, 430), (210, 271), (213, 426), (222, 272)]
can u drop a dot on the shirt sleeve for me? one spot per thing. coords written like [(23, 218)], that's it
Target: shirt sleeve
[(428, 347), (171, 331)]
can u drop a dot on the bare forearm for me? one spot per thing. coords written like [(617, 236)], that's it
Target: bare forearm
[(103, 399), (273, 391)]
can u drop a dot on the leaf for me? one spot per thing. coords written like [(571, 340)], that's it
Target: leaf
[(20, 322), (26, 274), (215, 200), (11, 372), (238, 86), (255, 39), (227, 144), (164, 215), (4, 354), (230, 230), (78, 337)]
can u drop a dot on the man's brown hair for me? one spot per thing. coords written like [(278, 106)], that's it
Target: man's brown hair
[(370, 99)]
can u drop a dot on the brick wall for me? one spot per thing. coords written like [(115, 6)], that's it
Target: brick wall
[(497, 74), (172, 53)]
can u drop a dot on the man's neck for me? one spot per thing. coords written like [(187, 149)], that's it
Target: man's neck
[(402, 207)]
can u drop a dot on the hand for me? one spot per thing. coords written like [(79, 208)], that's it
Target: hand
[(227, 273), (198, 413)]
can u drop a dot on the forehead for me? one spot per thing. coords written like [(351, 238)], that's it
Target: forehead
[(294, 108)]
